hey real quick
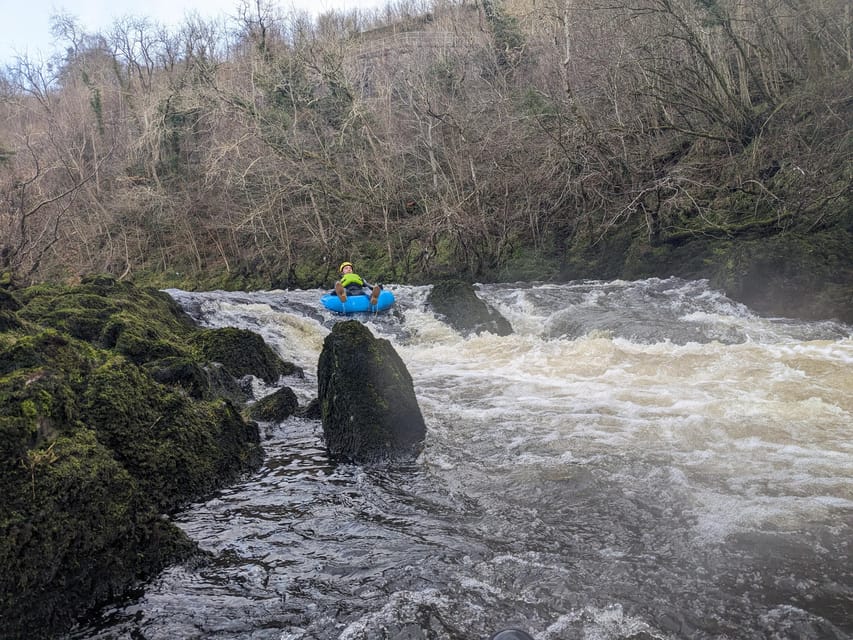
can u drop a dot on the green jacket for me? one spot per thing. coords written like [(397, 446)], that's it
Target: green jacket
[(351, 278)]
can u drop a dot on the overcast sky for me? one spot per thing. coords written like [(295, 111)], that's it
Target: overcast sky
[(25, 24)]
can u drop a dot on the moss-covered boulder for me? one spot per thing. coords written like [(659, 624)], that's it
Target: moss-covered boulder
[(76, 525), (149, 328), (808, 277), (242, 353), (279, 405), (202, 381), (173, 445), (75, 530), (457, 302), (141, 324), (99, 436), (367, 399)]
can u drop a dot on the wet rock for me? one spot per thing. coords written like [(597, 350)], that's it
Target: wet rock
[(277, 406), (458, 303), (511, 634), (310, 411), (367, 399), (176, 447), (80, 531), (204, 382), (182, 372), (108, 418), (244, 352)]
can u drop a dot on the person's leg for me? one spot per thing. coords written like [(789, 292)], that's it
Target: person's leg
[(341, 293)]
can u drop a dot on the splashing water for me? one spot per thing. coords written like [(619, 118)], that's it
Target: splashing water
[(639, 460)]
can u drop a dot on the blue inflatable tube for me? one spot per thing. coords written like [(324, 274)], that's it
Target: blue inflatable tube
[(358, 304)]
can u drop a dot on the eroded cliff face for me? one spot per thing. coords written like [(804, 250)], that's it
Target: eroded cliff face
[(800, 273)]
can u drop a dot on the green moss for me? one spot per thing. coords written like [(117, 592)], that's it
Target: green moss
[(529, 264), (242, 352), (141, 323), (807, 275), (83, 533), (92, 448), (174, 446), (39, 398)]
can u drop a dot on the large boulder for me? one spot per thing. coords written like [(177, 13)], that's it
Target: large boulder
[(457, 302), (140, 323), (367, 399)]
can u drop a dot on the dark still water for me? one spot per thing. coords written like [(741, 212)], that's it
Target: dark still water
[(639, 460)]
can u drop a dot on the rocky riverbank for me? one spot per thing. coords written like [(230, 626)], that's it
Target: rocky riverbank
[(115, 410)]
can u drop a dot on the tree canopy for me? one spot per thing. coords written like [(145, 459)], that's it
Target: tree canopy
[(488, 138)]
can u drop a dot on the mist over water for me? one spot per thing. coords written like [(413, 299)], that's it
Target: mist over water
[(639, 460)]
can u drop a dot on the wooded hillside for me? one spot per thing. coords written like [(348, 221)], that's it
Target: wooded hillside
[(515, 139)]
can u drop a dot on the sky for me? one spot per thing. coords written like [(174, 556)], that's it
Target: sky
[(25, 24)]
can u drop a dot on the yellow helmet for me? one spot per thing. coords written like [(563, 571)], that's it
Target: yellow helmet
[(344, 264)]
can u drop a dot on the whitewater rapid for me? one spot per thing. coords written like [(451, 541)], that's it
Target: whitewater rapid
[(638, 460)]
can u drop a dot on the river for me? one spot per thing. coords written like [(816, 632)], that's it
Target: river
[(639, 460)]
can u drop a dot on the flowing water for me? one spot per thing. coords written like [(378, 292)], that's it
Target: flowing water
[(639, 460)]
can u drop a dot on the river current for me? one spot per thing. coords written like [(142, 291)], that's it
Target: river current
[(639, 460)]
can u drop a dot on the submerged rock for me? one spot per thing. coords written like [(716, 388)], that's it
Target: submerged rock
[(310, 411), (458, 303), (367, 399)]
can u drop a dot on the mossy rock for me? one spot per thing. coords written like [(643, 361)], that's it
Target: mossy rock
[(174, 446), (143, 324), (183, 372), (28, 350), (367, 399), (203, 382), (277, 406), (458, 303), (792, 275), (243, 353), (93, 448), (40, 380), (80, 532)]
